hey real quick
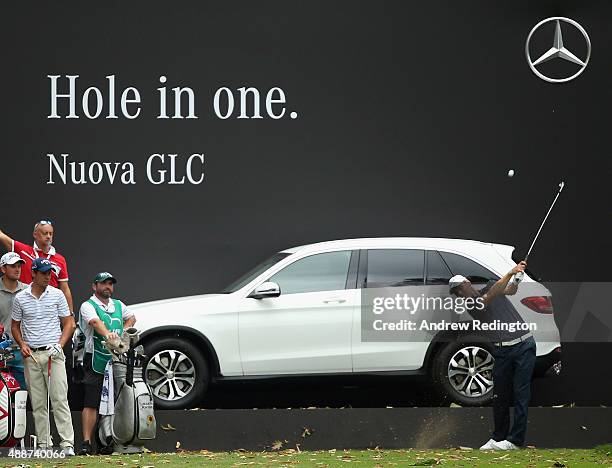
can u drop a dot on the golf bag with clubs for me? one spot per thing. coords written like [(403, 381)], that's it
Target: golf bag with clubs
[(127, 419), (78, 354), (12, 399)]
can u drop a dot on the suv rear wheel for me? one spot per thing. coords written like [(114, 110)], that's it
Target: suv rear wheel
[(463, 372), (177, 373)]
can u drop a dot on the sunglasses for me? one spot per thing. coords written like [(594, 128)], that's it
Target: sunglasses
[(43, 223)]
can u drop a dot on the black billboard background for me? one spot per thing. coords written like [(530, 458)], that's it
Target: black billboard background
[(409, 117)]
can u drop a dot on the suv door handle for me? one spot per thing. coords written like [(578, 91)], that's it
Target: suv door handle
[(331, 301)]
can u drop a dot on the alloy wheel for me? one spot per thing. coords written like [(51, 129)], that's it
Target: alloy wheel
[(470, 371), (170, 374)]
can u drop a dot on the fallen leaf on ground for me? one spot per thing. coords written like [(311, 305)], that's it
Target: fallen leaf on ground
[(277, 445)]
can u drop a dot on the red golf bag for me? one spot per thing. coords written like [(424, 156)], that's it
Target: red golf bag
[(12, 399)]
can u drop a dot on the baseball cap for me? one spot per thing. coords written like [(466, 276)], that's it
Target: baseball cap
[(103, 276), (42, 264), (456, 281), (10, 258)]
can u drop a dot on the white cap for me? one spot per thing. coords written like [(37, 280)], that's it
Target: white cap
[(456, 281), (10, 258)]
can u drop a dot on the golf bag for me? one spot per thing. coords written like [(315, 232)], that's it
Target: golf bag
[(12, 399), (78, 353), (132, 421)]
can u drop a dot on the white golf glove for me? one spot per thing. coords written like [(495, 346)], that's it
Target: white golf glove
[(55, 350), (518, 277)]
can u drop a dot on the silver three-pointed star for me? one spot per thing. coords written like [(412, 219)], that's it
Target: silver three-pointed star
[(558, 50)]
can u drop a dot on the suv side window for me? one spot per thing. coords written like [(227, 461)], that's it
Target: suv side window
[(394, 267), (319, 272), (459, 265), (437, 271)]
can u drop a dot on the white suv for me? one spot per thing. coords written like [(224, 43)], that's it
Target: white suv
[(299, 313)]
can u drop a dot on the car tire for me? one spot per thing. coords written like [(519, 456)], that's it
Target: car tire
[(462, 372), (187, 376)]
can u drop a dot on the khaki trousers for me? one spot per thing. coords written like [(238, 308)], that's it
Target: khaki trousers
[(36, 378)]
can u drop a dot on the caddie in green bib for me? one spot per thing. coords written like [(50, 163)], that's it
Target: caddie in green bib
[(114, 323)]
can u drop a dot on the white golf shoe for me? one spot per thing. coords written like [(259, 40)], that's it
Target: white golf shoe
[(505, 445), (68, 451), (490, 445)]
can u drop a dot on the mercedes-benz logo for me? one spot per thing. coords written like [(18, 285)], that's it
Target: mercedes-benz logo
[(558, 50)]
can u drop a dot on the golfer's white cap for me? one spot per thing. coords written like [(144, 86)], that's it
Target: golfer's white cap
[(10, 258), (456, 281)]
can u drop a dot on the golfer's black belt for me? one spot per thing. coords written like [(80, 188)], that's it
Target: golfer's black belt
[(515, 341), (41, 348)]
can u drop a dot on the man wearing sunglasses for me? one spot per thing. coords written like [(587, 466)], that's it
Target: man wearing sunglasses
[(42, 248)]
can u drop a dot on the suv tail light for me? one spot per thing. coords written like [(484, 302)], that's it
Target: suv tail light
[(539, 304)]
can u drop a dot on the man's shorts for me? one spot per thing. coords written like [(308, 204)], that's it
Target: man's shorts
[(92, 382)]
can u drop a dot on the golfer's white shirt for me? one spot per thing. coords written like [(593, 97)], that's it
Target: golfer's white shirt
[(40, 318)]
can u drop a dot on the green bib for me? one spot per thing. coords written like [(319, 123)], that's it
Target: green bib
[(113, 323)]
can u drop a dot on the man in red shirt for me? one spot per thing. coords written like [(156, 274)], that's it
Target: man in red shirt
[(42, 248)]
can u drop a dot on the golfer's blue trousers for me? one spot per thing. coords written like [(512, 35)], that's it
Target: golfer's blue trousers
[(512, 373)]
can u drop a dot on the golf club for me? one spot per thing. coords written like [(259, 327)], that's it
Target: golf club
[(519, 276), (47, 442), (561, 185)]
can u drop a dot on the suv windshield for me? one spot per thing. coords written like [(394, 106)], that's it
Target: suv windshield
[(254, 272)]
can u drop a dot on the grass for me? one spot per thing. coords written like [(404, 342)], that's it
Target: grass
[(598, 457)]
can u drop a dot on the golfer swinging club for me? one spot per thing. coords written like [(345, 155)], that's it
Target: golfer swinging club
[(514, 353)]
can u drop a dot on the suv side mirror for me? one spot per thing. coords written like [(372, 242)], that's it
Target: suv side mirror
[(267, 289)]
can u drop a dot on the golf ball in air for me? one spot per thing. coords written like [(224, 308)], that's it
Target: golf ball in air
[(510, 172)]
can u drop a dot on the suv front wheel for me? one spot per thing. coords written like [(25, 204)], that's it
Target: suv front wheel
[(463, 372), (177, 373)]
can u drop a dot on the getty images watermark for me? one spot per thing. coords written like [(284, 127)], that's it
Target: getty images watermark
[(420, 313), (408, 304), (554, 312), (411, 303)]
